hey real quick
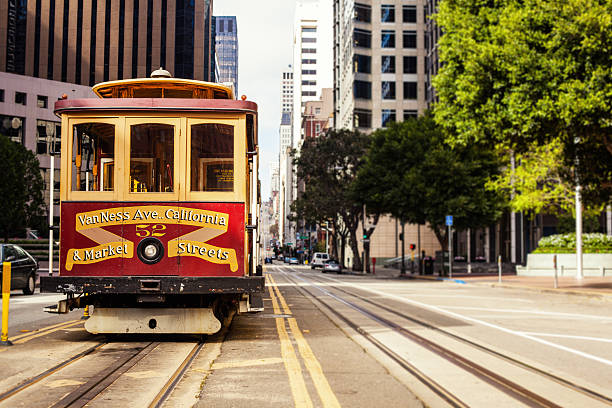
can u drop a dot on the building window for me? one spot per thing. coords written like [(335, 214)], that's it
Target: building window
[(363, 63), (12, 127), (388, 116), (1, 95), (362, 38), (363, 12), (48, 137), (410, 39), (387, 13), (388, 89), (410, 114), (309, 93), (309, 29), (362, 118), (309, 50), (362, 89), (309, 61), (309, 72), (387, 39), (307, 82), (309, 40), (409, 14), (410, 64), (41, 101), (410, 90), (20, 98), (387, 65)]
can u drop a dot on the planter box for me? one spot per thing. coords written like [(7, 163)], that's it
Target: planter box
[(542, 265)]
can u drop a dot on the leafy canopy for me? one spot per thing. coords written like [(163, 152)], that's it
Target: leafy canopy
[(21, 188), (517, 74), (411, 173)]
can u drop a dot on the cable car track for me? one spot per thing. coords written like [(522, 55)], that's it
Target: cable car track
[(514, 390), (101, 380)]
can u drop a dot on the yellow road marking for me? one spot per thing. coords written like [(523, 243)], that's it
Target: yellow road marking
[(24, 340), (292, 365), (41, 330), (328, 398), (2, 349), (247, 363)]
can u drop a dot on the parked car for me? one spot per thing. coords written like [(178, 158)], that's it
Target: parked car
[(332, 266), (293, 261), (23, 267), (286, 259), (318, 259)]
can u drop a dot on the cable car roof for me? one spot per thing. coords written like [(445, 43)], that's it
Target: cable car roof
[(163, 88)]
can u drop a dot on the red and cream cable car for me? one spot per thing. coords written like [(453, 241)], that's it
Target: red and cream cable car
[(159, 206)]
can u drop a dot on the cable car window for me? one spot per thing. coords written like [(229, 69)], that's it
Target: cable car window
[(93, 157), (151, 158), (212, 157)]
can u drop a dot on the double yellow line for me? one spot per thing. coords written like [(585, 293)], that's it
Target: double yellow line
[(300, 393), (23, 338)]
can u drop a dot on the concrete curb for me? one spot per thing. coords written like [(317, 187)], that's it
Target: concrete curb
[(559, 291)]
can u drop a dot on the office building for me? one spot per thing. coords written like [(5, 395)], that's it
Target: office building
[(87, 42), (226, 49)]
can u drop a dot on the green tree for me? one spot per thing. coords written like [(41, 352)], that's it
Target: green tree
[(327, 165), (21, 188), (516, 74), (537, 182), (411, 173)]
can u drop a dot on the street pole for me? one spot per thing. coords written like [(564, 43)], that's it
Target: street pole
[(469, 251), (579, 274), (450, 251), (403, 271), (419, 249), (51, 188), (364, 239)]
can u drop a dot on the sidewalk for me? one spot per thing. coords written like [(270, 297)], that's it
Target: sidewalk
[(596, 286)]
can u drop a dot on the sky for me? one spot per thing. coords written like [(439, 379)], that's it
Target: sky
[(265, 49)]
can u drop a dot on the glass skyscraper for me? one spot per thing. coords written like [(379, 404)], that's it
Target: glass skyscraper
[(226, 49)]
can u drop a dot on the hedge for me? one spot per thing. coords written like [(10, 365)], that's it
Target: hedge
[(566, 243)]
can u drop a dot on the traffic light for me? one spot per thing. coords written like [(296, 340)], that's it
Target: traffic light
[(365, 236), (412, 247)]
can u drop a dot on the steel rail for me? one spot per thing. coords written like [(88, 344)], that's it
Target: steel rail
[(171, 384), (52, 370)]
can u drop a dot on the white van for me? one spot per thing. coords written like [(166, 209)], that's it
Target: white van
[(318, 259)]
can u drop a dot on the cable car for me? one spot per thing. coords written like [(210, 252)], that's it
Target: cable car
[(159, 206)]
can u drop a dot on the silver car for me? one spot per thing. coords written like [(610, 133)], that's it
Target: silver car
[(332, 266)]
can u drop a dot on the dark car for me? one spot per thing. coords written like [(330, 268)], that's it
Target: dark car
[(23, 267), (268, 260)]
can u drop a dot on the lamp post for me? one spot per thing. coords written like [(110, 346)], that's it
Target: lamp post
[(51, 190)]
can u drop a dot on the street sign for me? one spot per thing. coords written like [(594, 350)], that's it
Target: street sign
[(289, 243), (449, 220)]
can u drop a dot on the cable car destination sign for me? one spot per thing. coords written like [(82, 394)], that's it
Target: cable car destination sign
[(152, 220)]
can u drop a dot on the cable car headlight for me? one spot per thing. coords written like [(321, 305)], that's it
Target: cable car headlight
[(150, 250)]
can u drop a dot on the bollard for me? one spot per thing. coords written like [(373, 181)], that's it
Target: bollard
[(6, 294), (85, 313), (555, 268), (499, 269)]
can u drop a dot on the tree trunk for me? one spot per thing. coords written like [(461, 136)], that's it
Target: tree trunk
[(357, 264)]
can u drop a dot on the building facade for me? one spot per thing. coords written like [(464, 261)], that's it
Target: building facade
[(379, 62), (90, 41), (312, 57), (226, 49)]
